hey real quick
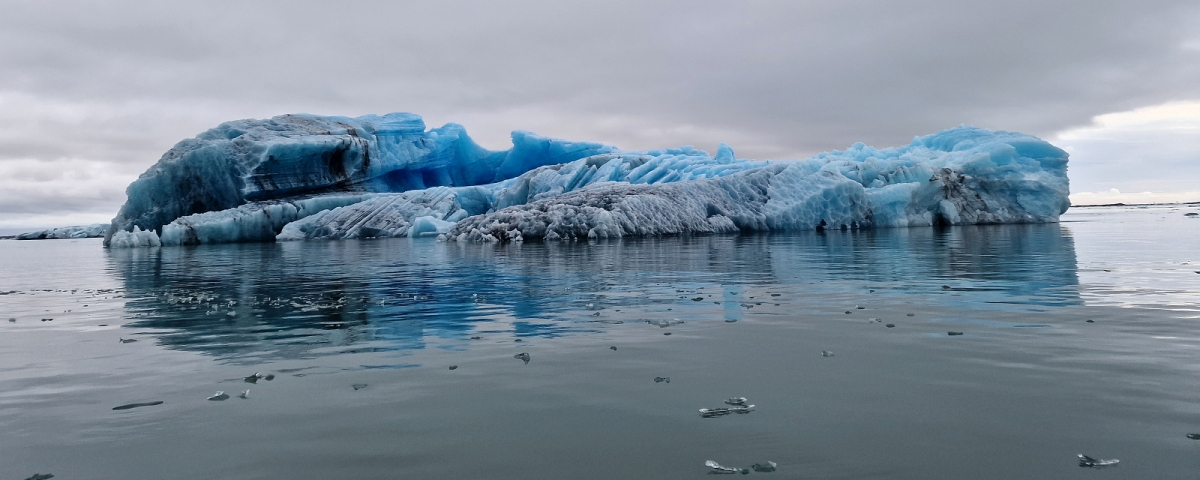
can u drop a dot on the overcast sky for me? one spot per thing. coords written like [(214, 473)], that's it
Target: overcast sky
[(92, 93)]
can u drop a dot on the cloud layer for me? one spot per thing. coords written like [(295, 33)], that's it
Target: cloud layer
[(103, 88)]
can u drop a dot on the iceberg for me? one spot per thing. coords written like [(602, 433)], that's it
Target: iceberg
[(81, 231), (300, 177)]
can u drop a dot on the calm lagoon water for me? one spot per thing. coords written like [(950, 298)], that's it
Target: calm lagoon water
[(1028, 385)]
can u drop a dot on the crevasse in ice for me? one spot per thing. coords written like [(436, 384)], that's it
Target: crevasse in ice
[(305, 177)]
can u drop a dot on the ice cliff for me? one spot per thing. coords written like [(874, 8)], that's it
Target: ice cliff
[(305, 177)]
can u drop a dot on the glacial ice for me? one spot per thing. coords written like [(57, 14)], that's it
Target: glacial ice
[(292, 155), (300, 177), (82, 231)]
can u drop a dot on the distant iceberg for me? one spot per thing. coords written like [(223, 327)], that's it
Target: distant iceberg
[(297, 177), (81, 231)]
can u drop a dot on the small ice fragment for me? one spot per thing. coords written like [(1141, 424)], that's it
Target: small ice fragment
[(129, 406), (244, 394), (252, 378), (219, 396), (826, 353), (41, 476), (738, 401), (613, 348), (231, 314), (524, 357), (860, 307), (590, 305), (662, 379), (454, 367), (127, 340), (359, 386), (1086, 461), (890, 325), (766, 467), (954, 333), (718, 469), (1194, 436)]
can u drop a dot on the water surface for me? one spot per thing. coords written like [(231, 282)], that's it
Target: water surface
[(1028, 385)]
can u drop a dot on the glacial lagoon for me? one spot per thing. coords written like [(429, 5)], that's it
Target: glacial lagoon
[(402, 358)]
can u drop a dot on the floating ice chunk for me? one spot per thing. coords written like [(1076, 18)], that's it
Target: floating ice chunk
[(739, 401), (524, 357), (134, 238), (662, 379), (719, 469), (244, 394), (219, 396), (826, 353), (1086, 461), (359, 386), (83, 231), (722, 411)]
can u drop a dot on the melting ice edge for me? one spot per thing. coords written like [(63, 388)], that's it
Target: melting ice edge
[(302, 176)]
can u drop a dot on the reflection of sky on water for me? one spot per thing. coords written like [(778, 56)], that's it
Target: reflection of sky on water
[(293, 299)]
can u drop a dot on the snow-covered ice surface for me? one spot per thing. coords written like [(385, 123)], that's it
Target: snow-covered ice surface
[(81, 231), (304, 177)]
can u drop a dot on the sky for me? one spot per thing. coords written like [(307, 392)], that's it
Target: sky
[(93, 93)]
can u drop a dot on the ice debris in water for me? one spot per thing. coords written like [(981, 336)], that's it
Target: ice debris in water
[(1194, 436), (826, 353), (1086, 461), (81, 231), (719, 469), (764, 467), (307, 176), (665, 323), (127, 340), (524, 357), (454, 367), (219, 396), (258, 376), (737, 405), (359, 386), (662, 379), (613, 348), (41, 476), (244, 394)]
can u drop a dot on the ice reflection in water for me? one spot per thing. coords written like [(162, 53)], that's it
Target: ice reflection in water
[(289, 299)]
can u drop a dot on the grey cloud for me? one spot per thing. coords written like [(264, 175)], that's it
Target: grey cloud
[(786, 78)]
